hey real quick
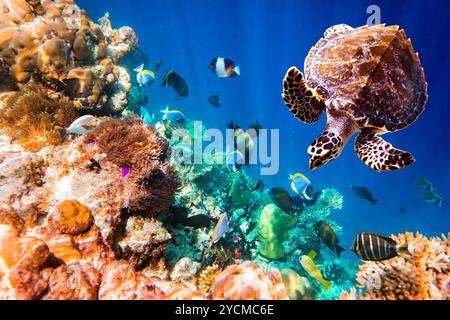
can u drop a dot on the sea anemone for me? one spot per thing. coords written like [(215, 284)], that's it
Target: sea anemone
[(33, 120), (150, 180)]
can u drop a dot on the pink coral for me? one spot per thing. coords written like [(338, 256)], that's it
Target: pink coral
[(422, 274), (248, 281)]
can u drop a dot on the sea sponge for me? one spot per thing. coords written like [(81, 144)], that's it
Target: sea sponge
[(32, 119), (297, 287), (71, 217), (424, 274), (248, 281), (131, 145), (273, 227)]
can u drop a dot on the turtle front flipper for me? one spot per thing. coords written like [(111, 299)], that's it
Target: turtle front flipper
[(379, 154), (303, 102)]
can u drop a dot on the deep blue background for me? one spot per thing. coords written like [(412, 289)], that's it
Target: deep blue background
[(267, 37)]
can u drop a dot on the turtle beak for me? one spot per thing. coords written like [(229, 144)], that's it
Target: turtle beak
[(314, 164)]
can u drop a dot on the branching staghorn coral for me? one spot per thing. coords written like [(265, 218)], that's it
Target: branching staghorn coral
[(421, 275), (143, 157), (33, 120)]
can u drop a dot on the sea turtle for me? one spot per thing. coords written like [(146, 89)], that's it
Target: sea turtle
[(366, 79)]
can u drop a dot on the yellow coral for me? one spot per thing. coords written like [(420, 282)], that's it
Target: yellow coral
[(207, 278), (422, 274)]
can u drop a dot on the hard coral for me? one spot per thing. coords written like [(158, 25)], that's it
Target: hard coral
[(248, 281), (71, 217), (48, 39), (422, 274), (32, 119), (150, 182)]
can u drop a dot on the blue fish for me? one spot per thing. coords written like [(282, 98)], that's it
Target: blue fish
[(145, 78), (172, 115), (220, 228), (234, 160), (148, 117), (301, 186)]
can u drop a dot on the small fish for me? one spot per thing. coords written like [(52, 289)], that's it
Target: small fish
[(173, 79), (158, 65), (220, 228), (172, 115), (237, 253), (307, 262), (257, 186), (402, 210), (197, 221), (125, 171), (214, 100), (281, 198), (426, 184), (148, 117), (433, 198), (301, 186), (83, 125), (364, 193), (77, 88), (224, 67), (329, 237), (144, 77), (376, 247), (234, 160)]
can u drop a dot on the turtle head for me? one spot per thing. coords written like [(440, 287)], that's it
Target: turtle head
[(328, 146)]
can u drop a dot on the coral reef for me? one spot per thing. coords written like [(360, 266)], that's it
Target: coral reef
[(61, 47), (248, 281), (423, 274), (34, 120)]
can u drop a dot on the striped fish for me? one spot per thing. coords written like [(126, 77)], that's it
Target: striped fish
[(376, 247)]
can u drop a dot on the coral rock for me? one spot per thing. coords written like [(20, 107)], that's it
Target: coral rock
[(184, 269), (71, 217), (63, 248), (78, 281), (248, 281), (21, 260)]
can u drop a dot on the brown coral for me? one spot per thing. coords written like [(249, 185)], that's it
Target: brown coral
[(71, 217), (422, 274), (32, 119), (48, 39), (133, 146)]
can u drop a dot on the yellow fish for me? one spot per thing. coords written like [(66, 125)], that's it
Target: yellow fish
[(307, 262)]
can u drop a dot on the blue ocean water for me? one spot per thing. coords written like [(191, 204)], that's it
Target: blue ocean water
[(265, 38)]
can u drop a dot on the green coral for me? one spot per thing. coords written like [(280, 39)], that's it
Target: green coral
[(273, 227)]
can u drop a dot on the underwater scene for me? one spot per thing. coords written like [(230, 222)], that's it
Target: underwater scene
[(224, 150)]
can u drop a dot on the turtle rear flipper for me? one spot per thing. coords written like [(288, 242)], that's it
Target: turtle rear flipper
[(303, 102), (379, 154)]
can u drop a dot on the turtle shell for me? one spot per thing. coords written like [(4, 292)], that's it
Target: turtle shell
[(372, 72)]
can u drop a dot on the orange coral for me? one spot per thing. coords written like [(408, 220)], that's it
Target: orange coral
[(424, 274), (71, 217), (248, 281)]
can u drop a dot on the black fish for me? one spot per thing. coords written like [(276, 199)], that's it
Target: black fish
[(329, 237), (224, 67), (173, 79), (158, 65), (214, 100), (365, 194), (376, 247), (281, 198), (198, 221), (402, 210), (76, 88), (258, 185)]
